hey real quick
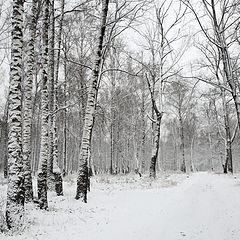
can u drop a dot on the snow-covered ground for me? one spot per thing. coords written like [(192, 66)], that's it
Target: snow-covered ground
[(200, 206)]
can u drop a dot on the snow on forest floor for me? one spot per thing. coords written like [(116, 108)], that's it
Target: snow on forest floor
[(201, 206)]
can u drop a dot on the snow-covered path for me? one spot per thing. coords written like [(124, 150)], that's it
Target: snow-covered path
[(206, 206), (203, 207)]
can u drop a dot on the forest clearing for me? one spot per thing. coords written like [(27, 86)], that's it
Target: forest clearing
[(119, 119)]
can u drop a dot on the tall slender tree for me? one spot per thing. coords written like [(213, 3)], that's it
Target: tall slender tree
[(27, 119), (15, 192), (83, 178), (44, 148), (51, 93), (156, 125), (54, 170)]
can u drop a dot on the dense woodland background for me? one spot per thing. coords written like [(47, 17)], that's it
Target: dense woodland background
[(167, 84)]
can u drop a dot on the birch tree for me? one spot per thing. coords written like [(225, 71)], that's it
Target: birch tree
[(54, 172), (4, 141), (82, 180), (56, 80), (27, 120), (44, 148), (15, 192), (51, 92)]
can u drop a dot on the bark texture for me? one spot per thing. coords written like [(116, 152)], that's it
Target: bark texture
[(54, 177), (156, 126), (182, 147), (228, 166), (51, 97), (44, 148), (15, 192), (143, 125), (59, 41), (4, 141), (155, 149), (28, 84), (82, 180)]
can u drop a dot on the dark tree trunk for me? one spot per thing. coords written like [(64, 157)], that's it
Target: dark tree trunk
[(156, 126), (155, 150), (4, 142), (58, 183)]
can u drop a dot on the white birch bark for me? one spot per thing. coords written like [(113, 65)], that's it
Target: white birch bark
[(59, 40), (51, 96), (143, 125), (182, 146), (4, 139), (15, 192), (156, 127), (59, 43), (156, 142), (55, 178), (83, 179), (27, 109), (44, 148)]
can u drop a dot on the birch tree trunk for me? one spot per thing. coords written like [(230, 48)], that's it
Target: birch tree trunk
[(44, 148), (182, 148), (15, 191), (228, 160), (113, 115), (27, 120), (3, 145), (54, 177), (111, 147), (143, 125), (192, 154), (55, 69), (55, 148), (155, 149), (59, 41), (65, 114), (51, 96), (228, 143), (4, 138), (82, 180), (156, 126)]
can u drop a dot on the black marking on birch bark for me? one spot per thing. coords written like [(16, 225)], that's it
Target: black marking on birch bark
[(27, 111), (83, 179), (44, 150), (15, 192)]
